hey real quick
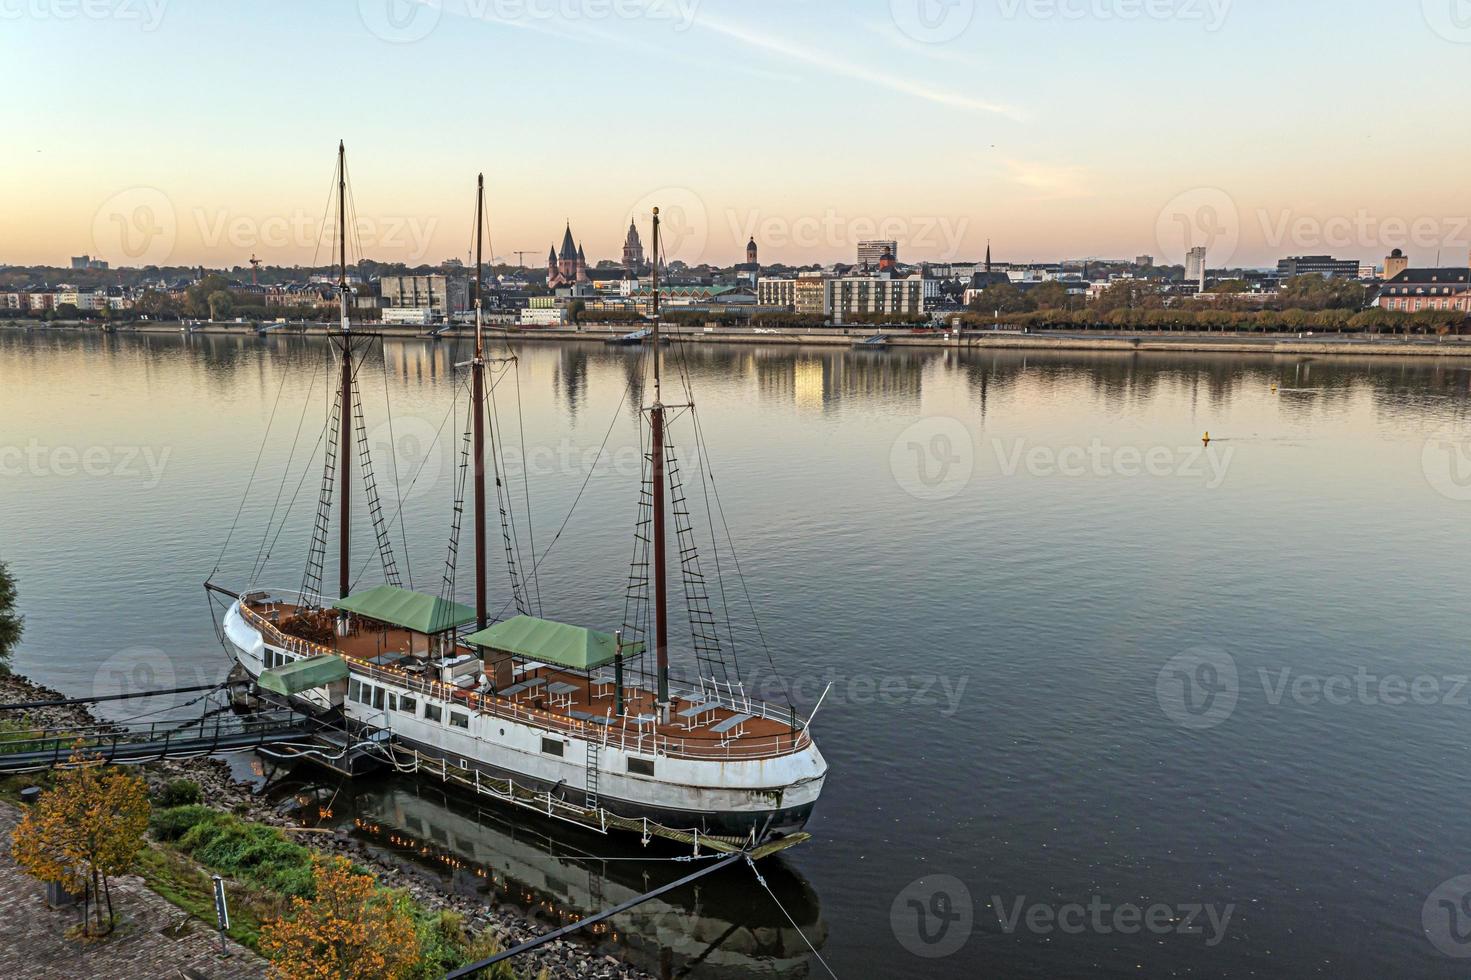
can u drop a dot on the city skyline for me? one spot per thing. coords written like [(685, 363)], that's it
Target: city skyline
[(1087, 158)]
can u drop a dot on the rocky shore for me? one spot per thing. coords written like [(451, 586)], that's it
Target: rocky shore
[(221, 790)]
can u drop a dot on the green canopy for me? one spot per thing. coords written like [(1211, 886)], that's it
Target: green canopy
[(554, 643), (304, 675), (411, 610)]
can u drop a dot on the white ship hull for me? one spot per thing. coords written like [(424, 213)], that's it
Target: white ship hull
[(729, 796)]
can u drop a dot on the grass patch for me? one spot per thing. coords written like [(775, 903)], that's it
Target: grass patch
[(186, 885), (267, 870)]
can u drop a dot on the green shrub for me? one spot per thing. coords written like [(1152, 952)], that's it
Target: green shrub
[(175, 822), (180, 792), (256, 852)]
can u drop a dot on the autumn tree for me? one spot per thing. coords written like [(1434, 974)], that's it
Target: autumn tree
[(12, 624), (351, 930), (87, 829), (1000, 297), (1051, 295)]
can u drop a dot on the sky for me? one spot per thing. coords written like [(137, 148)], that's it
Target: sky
[(205, 131)]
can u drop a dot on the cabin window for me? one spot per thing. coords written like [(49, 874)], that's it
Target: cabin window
[(552, 746), (392, 702), (354, 689), (459, 720), (378, 698), (406, 705), (641, 767), (431, 712)]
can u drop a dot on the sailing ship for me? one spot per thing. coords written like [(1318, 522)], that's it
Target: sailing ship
[(569, 721)]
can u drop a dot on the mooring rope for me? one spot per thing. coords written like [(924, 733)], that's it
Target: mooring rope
[(793, 921)]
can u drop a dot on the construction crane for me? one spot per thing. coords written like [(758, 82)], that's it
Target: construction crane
[(521, 256), (254, 270)]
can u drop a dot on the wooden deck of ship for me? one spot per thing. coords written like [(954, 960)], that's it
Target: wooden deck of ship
[(704, 736)]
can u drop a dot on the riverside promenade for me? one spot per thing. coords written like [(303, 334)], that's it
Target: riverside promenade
[(34, 943), (897, 337)]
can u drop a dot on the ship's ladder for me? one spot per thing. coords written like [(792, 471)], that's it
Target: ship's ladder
[(370, 487), (311, 585), (592, 774)]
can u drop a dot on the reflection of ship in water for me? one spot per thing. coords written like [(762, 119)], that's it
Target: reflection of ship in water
[(822, 380), (720, 927)]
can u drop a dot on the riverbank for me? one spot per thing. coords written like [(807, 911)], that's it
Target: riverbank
[(221, 791), (841, 337)]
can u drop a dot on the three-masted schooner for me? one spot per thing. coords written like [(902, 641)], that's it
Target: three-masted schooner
[(549, 715)]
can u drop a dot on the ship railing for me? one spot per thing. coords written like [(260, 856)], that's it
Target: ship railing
[(641, 741)]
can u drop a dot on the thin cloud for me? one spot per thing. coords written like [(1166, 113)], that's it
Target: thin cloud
[(1049, 182), (891, 35), (836, 66)]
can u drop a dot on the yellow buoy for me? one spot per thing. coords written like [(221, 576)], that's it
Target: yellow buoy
[(1207, 439)]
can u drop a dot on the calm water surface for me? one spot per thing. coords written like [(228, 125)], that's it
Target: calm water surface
[(1004, 563)]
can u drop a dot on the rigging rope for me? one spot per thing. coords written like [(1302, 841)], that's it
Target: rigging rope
[(419, 471), (451, 559), (260, 554), (526, 484), (265, 439), (509, 532), (581, 490), (393, 455)]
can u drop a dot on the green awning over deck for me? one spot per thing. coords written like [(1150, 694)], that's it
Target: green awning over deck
[(412, 610), (558, 644), (304, 675)]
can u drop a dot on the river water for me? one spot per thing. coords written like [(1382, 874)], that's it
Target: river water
[(1100, 700)]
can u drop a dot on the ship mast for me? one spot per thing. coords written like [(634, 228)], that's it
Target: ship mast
[(478, 374), (345, 458), (656, 422)]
